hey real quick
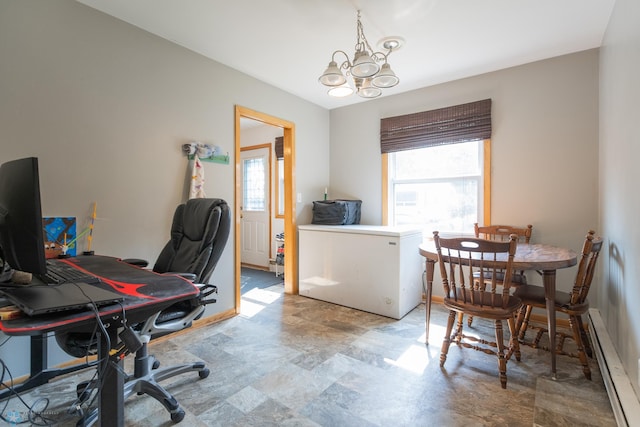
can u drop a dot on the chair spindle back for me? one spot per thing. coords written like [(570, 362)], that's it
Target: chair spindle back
[(503, 232), (586, 268), (473, 259)]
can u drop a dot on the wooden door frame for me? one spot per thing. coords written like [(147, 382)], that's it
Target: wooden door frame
[(291, 246)]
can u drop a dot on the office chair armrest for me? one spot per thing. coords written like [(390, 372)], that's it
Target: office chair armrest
[(137, 262), (189, 276), (205, 291)]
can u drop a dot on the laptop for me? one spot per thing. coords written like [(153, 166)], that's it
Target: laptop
[(34, 300), (61, 272)]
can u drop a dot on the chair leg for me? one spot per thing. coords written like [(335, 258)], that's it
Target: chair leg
[(447, 337), (514, 344), (585, 338), (459, 328), (523, 321), (577, 336), (476, 286), (502, 362)]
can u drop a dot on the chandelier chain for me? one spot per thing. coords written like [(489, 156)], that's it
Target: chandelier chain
[(364, 44)]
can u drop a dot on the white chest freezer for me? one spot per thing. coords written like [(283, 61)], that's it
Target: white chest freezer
[(371, 268)]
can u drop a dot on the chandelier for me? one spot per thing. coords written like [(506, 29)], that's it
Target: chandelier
[(369, 70)]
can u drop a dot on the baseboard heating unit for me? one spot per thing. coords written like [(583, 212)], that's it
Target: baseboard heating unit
[(624, 401)]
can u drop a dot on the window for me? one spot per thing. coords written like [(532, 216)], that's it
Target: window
[(438, 188), (279, 149), (254, 184), (437, 168), (280, 188)]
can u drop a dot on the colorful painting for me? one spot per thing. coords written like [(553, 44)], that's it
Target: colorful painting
[(59, 232)]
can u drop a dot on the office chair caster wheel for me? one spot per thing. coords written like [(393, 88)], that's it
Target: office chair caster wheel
[(204, 373), (156, 364), (177, 416)]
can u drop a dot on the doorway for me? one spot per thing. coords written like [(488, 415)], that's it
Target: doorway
[(255, 206), (290, 249)]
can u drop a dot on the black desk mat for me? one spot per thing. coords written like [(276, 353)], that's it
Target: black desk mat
[(144, 291)]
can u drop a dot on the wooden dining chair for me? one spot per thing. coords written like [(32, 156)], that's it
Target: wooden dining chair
[(573, 303), (502, 233), (460, 259)]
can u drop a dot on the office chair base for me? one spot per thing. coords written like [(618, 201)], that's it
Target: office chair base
[(146, 380), (149, 374)]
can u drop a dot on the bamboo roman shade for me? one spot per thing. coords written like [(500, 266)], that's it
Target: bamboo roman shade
[(279, 147), (449, 125)]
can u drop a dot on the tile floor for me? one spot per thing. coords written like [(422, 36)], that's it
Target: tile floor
[(294, 361)]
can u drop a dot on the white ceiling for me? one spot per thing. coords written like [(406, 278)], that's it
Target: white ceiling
[(288, 43)]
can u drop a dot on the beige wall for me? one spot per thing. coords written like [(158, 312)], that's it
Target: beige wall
[(106, 107), (544, 146), (619, 177)]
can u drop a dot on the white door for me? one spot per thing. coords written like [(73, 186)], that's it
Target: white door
[(255, 207)]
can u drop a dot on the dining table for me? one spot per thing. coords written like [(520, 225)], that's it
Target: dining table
[(546, 259)]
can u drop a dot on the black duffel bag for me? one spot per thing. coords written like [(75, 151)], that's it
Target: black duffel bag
[(336, 212)]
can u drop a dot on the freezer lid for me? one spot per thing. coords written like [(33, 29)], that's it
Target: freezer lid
[(376, 230)]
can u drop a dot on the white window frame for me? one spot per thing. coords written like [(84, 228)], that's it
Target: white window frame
[(484, 188)]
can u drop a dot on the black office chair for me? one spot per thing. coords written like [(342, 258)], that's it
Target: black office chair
[(199, 234)]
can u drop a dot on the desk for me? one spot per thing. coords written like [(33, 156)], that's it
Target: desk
[(545, 258), (145, 293)]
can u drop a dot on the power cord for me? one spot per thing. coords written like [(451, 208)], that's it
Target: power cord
[(76, 406), (35, 416), (118, 353), (37, 413)]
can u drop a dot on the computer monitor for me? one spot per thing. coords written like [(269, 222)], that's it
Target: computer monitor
[(21, 233)]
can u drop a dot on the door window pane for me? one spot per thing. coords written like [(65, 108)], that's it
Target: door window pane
[(254, 184), (280, 188)]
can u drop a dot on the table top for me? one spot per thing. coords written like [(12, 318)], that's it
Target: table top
[(529, 256), (144, 292)]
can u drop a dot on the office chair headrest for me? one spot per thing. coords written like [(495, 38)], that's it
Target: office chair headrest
[(199, 234), (196, 213)]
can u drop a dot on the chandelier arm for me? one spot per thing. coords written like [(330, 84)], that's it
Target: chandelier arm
[(380, 56), (346, 64)]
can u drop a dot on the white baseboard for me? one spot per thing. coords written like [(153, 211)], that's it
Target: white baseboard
[(624, 401)]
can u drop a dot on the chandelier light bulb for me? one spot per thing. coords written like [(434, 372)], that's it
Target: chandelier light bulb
[(340, 91), (385, 78), (367, 90), (363, 65), (332, 76)]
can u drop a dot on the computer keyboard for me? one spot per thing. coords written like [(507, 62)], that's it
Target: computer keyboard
[(60, 272)]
